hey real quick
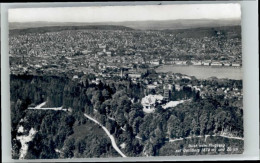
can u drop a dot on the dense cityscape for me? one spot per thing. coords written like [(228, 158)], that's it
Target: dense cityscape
[(96, 50)]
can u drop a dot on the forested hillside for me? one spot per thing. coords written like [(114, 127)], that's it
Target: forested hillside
[(116, 105)]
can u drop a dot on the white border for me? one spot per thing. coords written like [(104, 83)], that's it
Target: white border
[(250, 81)]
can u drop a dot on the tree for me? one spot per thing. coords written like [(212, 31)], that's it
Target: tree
[(136, 124), (120, 119), (97, 107), (196, 97), (149, 149), (97, 97), (132, 116), (105, 94), (125, 103), (203, 122), (70, 120), (137, 147), (159, 109), (173, 127), (195, 127), (88, 109), (159, 137), (110, 125), (81, 146), (69, 146), (48, 150), (16, 146)]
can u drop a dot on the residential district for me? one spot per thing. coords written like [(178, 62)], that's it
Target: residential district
[(121, 54), (97, 50)]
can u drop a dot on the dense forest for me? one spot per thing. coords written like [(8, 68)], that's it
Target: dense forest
[(116, 105)]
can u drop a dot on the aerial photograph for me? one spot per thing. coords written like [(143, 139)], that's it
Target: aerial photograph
[(126, 81)]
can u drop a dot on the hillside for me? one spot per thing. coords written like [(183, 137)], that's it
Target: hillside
[(61, 28), (226, 31), (180, 24)]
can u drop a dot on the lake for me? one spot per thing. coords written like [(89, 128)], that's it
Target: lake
[(204, 72)]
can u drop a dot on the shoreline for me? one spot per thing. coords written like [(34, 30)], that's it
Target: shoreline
[(202, 66), (204, 72)]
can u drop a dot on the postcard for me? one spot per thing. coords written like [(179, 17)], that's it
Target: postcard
[(126, 81)]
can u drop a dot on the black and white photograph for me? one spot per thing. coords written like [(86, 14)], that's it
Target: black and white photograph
[(126, 81)]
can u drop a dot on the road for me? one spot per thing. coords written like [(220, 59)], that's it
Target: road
[(109, 135), (40, 107)]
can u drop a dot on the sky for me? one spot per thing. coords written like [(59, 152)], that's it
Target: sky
[(126, 13)]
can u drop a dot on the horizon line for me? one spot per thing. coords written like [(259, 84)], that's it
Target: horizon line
[(127, 21)]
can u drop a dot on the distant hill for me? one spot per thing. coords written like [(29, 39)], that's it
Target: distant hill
[(180, 24), (62, 28), (138, 25), (226, 31)]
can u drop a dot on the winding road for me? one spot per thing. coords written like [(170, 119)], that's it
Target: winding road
[(109, 135), (39, 107)]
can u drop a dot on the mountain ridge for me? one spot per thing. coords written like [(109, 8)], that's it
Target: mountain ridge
[(138, 25)]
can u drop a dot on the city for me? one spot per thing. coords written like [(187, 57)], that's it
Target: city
[(95, 51)]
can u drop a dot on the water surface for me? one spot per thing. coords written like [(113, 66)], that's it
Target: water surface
[(204, 72)]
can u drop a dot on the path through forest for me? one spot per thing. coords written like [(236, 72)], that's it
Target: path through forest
[(109, 135), (39, 107)]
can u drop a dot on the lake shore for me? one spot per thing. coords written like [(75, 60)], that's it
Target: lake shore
[(204, 72)]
